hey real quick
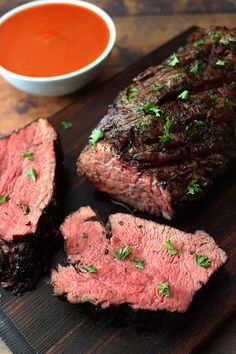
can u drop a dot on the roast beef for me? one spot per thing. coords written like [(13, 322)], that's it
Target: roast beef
[(171, 133), (29, 176), (135, 261)]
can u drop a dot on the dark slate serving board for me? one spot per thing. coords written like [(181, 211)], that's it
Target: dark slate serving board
[(37, 322)]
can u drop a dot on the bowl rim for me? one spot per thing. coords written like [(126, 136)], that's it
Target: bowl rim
[(100, 12)]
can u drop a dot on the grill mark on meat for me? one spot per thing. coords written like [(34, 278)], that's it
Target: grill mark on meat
[(115, 281), (193, 152)]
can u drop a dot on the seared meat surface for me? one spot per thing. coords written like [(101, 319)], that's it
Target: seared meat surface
[(172, 131)]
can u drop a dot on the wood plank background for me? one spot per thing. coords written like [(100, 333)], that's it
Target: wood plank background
[(141, 27)]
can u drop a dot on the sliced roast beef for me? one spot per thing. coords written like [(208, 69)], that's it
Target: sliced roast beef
[(29, 176), (135, 261), (171, 133)]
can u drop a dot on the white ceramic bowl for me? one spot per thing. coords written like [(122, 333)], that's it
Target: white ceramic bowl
[(62, 84)]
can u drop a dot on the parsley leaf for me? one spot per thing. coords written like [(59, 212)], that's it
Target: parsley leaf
[(94, 138), (194, 69), (199, 122), (158, 87), (193, 187), (166, 136), (171, 248), (215, 36), (150, 108), (131, 93), (28, 155), (184, 95), (139, 263), (91, 269), (164, 289), (220, 62), (122, 253), (3, 198), (66, 125), (174, 60), (203, 261), (141, 123), (199, 41), (32, 174)]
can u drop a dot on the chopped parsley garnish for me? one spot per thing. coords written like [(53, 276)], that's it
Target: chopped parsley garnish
[(3, 198), (164, 289), (91, 269), (166, 136), (171, 248), (233, 84), (203, 261), (139, 263), (174, 60), (32, 174), (66, 125), (215, 36), (122, 253), (28, 155), (194, 69), (200, 41), (193, 187), (141, 123), (150, 108), (95, 137), (84, 235), (184, 95), (131, 93), (199, 122), (220, 62), (158, 87)]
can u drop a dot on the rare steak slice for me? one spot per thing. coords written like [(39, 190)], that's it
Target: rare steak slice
[(29, 176), (171, 133), (135, 261)]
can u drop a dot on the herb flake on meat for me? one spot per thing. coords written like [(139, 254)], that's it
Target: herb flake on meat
[(158, 87), (193, 187), (32, 174), (174, 60), (164, 289), (28, 155), (220, 62), (199, 41), (150, 108), (131, 93), (139, 263), (122, 253), (203, 261), (171, 248), (199, 122), (184, 95), (166, 136), (3, 198), (91, 269), (95, 137), (25, 207)]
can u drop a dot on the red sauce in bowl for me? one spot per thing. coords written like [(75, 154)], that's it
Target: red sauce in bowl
[(52, 39)]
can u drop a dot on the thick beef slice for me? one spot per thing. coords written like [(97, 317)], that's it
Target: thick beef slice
[(116, 281), (149, 157), (29, 213)]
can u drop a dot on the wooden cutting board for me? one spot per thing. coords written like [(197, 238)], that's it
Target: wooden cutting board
[(37, 322)]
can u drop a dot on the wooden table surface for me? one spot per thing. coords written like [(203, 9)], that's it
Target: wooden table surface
[(141, 26)]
